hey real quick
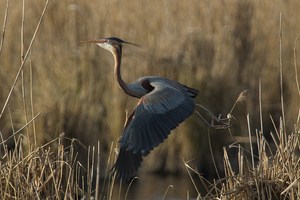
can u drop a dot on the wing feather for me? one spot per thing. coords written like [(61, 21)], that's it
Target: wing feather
[(156, 114)]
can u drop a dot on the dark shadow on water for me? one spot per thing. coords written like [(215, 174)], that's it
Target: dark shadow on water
[(154, 187)]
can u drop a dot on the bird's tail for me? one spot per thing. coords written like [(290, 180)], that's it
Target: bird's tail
[(127, 164)]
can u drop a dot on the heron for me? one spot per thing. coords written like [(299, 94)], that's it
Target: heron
[(163, 105)]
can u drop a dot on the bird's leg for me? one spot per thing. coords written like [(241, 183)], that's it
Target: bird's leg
[(216, 122)]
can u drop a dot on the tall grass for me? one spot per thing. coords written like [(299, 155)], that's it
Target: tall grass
[(41, 173), (221, 48), (274, 174)]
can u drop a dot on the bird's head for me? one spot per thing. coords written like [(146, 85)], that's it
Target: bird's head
[(111, 43)]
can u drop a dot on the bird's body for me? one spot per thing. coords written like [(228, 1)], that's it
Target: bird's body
[(152, 120), (163, 105)]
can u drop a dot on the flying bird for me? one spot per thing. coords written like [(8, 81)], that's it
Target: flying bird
[(163, 104)]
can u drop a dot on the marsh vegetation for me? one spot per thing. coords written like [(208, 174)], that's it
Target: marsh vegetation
[(62, 112)]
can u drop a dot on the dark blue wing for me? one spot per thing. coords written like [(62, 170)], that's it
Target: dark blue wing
[(156, 114)]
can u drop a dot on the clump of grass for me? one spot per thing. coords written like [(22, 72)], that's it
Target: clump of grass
[(271, 174), (85, 105), (272, 177), (47, 173)]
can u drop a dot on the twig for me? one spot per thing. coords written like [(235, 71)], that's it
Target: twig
[(191, 177), (165, 194), (31, 101), (22, 73), (129, 186), (98, 172), (260, 107), (295, 64), (281, 72), (4, 26), (250, 141), (212, 156), (296, 76)]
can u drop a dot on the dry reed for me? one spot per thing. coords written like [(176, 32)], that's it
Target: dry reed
[(220, 48)]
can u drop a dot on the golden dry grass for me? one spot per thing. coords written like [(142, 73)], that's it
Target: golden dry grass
[(273, 173), (221, 48)]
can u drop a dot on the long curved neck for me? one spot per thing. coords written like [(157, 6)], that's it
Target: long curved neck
[(117, 70)]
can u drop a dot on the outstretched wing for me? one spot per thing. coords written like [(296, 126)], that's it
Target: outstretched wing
[(156, 114)]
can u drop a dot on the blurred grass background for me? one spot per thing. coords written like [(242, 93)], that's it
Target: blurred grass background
[(218, 47)]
